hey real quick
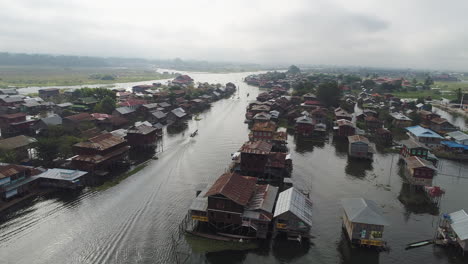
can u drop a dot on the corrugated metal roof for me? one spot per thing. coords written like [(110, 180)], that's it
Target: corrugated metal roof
[(256, 147), (460, 223), (358, 138), (409, 143), (200, 203), (264, 126), (360, 210), (233, 186), (423, 132), (264, 198), (413, 162), (292, 200), (101, 142), (62, 174), (458, 135), (16, 142)]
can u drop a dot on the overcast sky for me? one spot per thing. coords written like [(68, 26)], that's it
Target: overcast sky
[(398, 33)]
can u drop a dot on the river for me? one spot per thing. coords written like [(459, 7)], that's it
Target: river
[(133, 221)]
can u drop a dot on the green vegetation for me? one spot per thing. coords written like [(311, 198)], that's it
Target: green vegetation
[(293, 69), (107, 105), (24, 76), (329, 94), (118, 179)]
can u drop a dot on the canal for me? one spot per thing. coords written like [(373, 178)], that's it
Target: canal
[(133, 222)]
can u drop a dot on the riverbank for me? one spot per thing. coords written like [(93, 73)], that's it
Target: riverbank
[(27, 76), (454, 111)]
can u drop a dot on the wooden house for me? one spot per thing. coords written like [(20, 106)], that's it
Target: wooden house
[(372, 123), (342, 114), (319, 116), (459, 137), (360, 147), (262, 117), (453, 230), (304, 126), (48, 93), (344, 128), (425, 136), (100, 154), (78, 120), (227, 198), (418, 171), (400, 120), (63, 178), (125, 111), (158, 117), (45, 123), (441, 125), (141, 88), (427, 116), (293, 215), (16, 180), (254, 157), (384, 136), (21, 145), (177, 116), (235, 206), (263, 131), (411, 147), (142, 136), (7, 120), (363, 222)]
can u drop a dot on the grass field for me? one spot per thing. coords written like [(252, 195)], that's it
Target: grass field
[(25, 76)]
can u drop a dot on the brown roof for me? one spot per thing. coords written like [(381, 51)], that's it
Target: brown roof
[(358, 138), (116, 120), (80, 117), (382, 131), (413, 162), (371, 119), (142, 130), (439, 120), (10, 170), (95, 159), (16, 142), (277, 159), (11, 116), (264, 126), (344, 122), (256, 147), (235, 187), (101, 142)]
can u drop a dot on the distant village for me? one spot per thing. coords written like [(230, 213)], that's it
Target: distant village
[(68, 139), (257, 199)]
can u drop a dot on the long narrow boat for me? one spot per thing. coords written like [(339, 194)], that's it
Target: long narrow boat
[(419, 244)]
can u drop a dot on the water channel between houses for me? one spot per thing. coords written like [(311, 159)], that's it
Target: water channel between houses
[(133, 221)]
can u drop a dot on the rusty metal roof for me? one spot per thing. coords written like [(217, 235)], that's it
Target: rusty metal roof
[(235, 187), (16, 142), (101, 142), (10, 170), (414, 162), (269, 126), (95, 159), (358, 138), (256, 147), (142, 130)]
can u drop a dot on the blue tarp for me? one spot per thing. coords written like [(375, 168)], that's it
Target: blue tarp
[(420, 131), (452, 144)]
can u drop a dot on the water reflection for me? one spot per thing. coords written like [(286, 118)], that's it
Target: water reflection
[(304, 145), (415, 201), (341, 146), (358, 167), (350, 254), (287, 251)]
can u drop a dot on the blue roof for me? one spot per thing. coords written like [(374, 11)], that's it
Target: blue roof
[(452, 144), (420, 131)]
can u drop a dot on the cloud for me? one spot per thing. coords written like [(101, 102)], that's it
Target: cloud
[(423, 34)]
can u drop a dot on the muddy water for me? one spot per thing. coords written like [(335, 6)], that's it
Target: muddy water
[(133, 221)]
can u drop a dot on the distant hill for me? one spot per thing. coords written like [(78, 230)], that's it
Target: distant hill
[(22, 59)]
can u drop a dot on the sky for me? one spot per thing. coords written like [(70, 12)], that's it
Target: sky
[(424, 34)]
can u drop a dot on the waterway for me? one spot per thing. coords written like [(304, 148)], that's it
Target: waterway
[(133, 221)]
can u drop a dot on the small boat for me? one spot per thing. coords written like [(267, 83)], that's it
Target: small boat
[(248, 94), (419, 244), (194, 133)]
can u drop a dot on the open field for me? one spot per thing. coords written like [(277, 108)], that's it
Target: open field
[(24, 76)]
